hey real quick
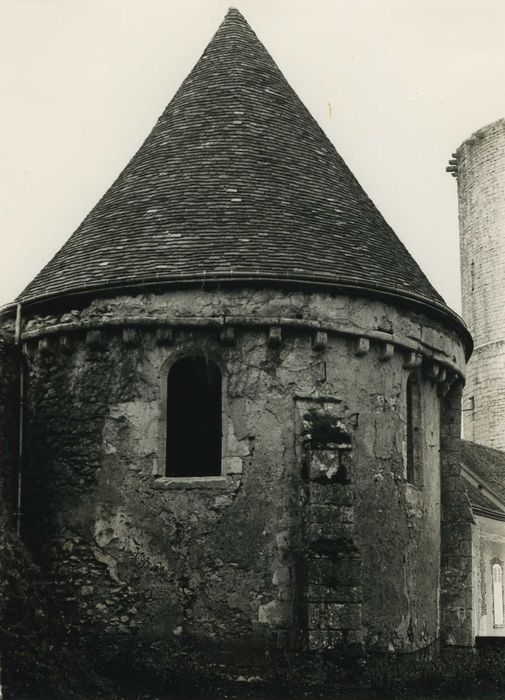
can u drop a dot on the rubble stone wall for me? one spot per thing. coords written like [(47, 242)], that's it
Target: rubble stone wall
[(9, 412), (310, 538), (457, 531)]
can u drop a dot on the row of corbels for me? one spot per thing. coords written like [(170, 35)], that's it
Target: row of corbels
[(433, 371), (453, 165), (274, 337), (97, 340)]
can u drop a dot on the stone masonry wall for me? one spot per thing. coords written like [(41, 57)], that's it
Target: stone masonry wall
[(9, 411), (12, 560), (481, 190), (284, 551), (332, 565), (9, 388), (457, 551)]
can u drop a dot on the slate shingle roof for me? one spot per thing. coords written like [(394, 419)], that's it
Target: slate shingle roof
[(235, 181), (478, 499), (487, 463)]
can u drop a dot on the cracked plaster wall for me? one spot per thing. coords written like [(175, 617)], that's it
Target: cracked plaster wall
[(130, 553)]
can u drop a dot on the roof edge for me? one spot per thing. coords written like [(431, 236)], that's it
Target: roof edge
[(479, 482), (487, 513), (349, 285)]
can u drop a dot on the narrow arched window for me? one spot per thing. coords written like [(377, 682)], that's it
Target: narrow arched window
[(413, 438), (497, 571), (194, 418)]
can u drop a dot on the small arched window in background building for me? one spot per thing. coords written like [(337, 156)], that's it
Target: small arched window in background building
[(194, 418), (414, 454), (497, 570)]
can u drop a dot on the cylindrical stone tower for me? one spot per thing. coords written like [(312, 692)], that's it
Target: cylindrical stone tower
[(481, 189)]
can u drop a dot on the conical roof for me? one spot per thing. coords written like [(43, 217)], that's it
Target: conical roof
[(235, 182)]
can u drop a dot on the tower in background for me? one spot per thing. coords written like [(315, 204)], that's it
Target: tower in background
[(480, 168)]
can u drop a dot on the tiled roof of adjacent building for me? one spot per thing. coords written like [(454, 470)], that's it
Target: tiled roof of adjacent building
[(479, 500), (235, 182), (488, 465)]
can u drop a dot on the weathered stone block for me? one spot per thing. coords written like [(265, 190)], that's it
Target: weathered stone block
[(342, 616), (324, 640), (412, 360), (65, 343), (95, 339), (457, 627), (232, 465), (454, 512), (281, 576), (44, 346), (431, 371), (337, 616), (331, 514), (274, 336), (330, 572), (334, 594), (386, 352), (277, 613), (353, 638), (320, 341), (323, 465), (457, 541), (131, 337), (322, 495), (340, 532), (227, 335), (164, 336), (461, 566), (362, 347)]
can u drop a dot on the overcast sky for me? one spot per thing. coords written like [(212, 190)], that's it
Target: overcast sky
[(395, 84)]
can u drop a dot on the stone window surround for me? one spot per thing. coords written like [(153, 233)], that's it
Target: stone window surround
[(194, 411), (162, 481), (495, 561)]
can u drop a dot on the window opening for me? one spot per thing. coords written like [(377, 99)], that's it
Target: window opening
[(497, 595), (413, 429), (194, 422)]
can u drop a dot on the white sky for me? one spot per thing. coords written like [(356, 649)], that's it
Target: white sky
[(83, 81)]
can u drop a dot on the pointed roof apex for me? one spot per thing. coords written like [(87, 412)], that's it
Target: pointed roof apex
[(234, 20), (236, 12), (234, 16), (236, 182)]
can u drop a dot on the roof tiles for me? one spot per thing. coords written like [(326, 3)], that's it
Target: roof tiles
[(487, 463)]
